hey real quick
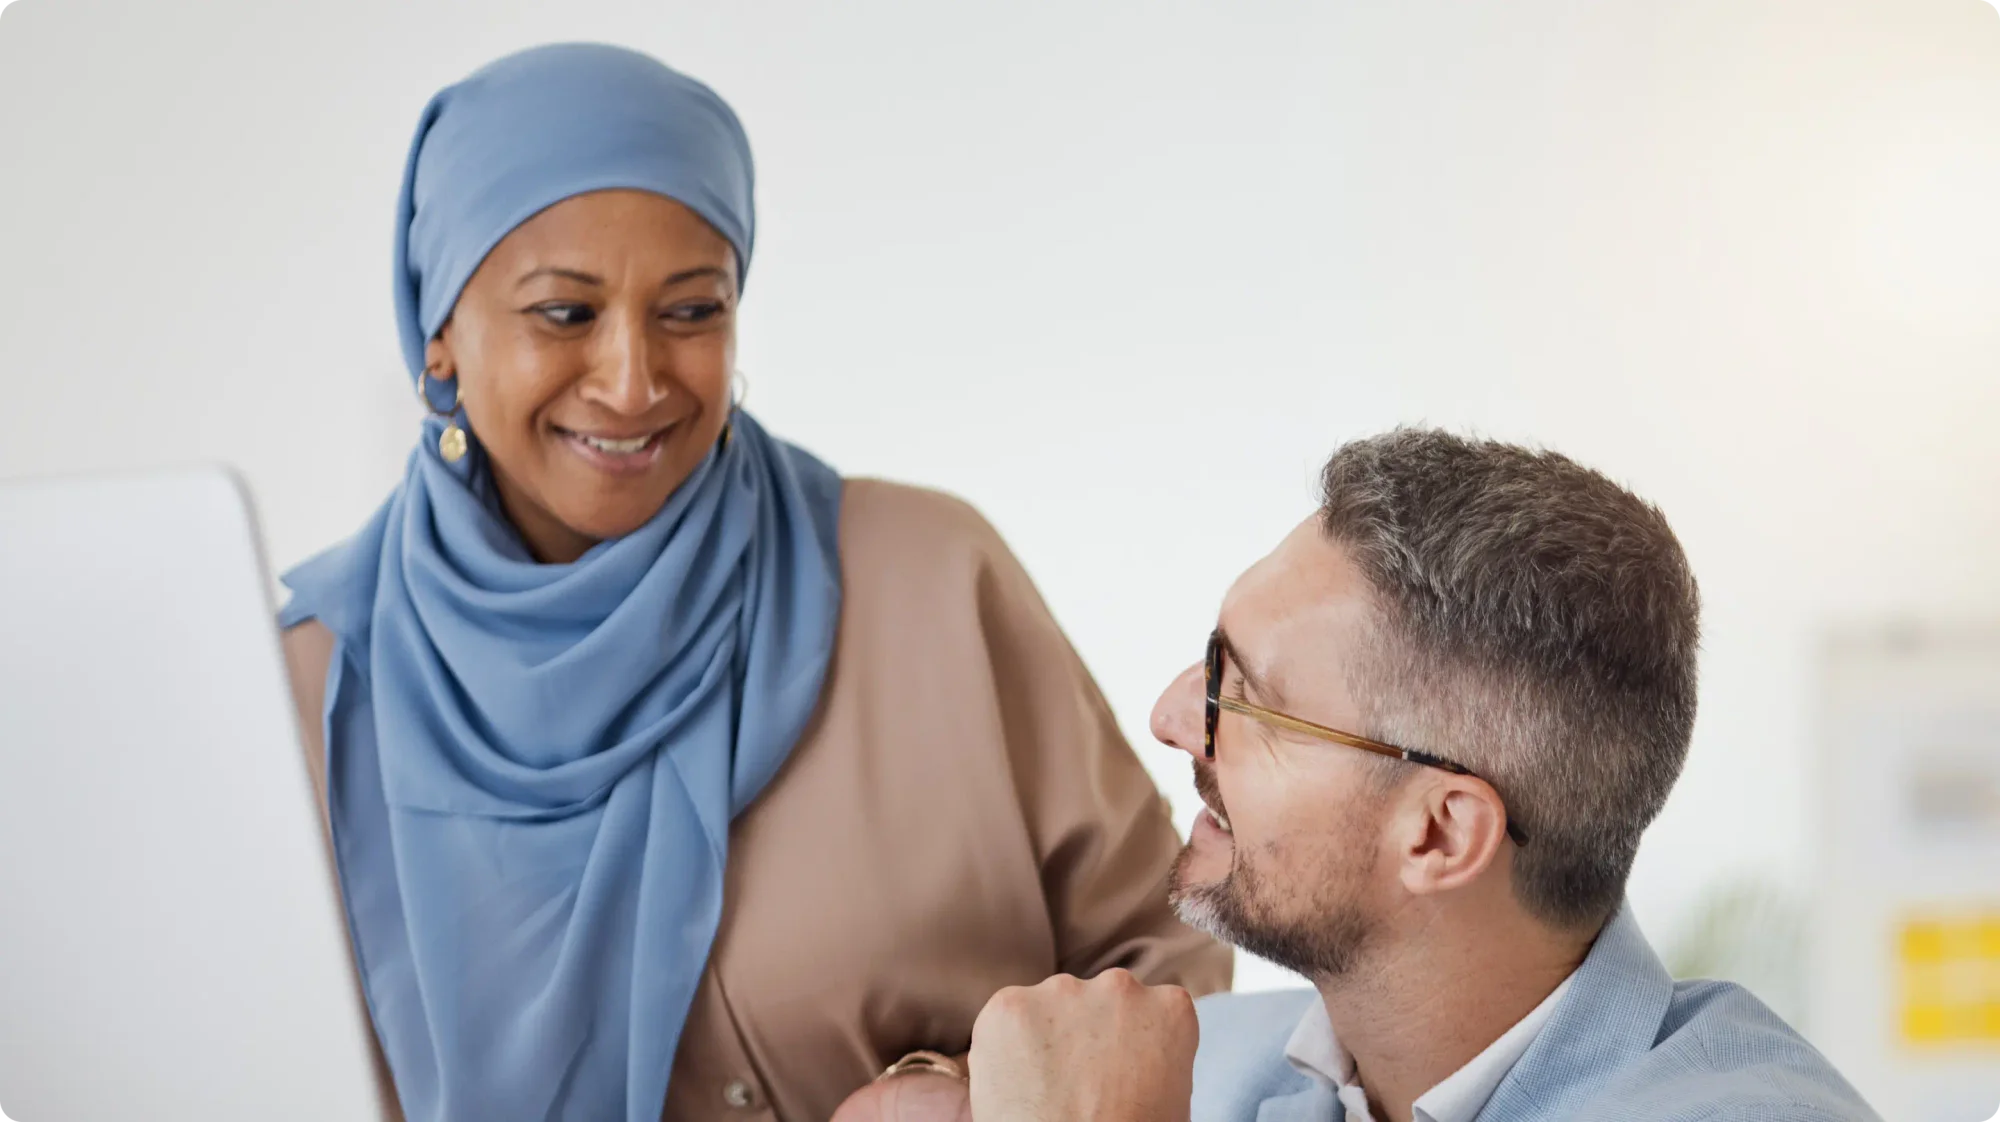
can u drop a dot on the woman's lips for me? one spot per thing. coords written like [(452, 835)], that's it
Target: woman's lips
[(616, 454)]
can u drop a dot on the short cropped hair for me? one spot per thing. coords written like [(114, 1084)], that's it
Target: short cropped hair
[(1535, 622)]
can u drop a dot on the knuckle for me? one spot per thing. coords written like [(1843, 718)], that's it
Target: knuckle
[(1008, 1002), (1120, 979)]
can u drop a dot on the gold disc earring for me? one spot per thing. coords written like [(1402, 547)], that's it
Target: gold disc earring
[(452, 443)]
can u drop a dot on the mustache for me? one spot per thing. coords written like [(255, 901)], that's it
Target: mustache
[(1206, 786)]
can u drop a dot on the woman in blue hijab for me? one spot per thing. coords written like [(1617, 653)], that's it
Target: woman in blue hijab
[(666, 770)]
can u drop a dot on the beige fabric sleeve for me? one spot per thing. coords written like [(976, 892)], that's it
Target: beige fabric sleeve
[(1101, 828)]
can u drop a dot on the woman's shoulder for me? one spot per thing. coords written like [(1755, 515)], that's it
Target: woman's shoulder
[(879, 516), (914, 549)]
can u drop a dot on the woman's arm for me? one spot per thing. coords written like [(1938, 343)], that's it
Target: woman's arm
[(308, 656), (1103, 831), (1062, 787), (309, 652)]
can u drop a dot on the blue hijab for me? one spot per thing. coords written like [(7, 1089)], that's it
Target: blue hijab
[(533, 768)]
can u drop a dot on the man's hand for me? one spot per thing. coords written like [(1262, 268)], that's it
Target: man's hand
[(916, 1096), (1109, 1049)]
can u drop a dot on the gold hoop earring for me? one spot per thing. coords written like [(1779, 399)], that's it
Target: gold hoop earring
[(739, 390), (452, 443)]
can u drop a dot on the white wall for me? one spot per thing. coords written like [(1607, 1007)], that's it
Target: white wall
[(1124, 274)]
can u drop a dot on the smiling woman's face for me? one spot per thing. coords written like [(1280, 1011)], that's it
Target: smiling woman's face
[(593, 348)]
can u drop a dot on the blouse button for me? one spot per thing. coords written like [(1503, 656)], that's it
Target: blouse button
[(738, 1095)]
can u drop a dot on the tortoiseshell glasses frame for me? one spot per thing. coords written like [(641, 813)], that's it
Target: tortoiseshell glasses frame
[(1217, 703)]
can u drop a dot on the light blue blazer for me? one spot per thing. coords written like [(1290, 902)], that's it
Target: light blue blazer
[(1626, 1044)]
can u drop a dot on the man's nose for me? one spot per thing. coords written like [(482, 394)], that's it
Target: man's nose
[(1181, 713)]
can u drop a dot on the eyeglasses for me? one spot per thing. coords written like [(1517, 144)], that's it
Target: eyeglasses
[(1217, 703)]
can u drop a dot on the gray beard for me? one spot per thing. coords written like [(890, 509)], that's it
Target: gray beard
[(1237, 911)]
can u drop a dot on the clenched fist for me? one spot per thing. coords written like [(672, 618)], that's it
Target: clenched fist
[(1110, 1049)]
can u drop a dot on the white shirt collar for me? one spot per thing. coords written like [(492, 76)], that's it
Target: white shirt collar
[(1314, 1051)]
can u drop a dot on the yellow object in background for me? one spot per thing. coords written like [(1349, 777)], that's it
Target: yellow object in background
[(1949, 967)]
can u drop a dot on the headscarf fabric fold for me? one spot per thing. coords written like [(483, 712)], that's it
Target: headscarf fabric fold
[(533, 767)]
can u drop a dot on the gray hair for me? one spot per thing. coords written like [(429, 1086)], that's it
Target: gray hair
[(1536, 623)]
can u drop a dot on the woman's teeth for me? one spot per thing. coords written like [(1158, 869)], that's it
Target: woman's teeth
[(618, 447)]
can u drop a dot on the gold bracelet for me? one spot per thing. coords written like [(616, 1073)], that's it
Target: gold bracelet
[(924, 1061)]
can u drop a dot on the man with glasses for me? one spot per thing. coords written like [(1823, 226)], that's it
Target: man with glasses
[(1429, 730)]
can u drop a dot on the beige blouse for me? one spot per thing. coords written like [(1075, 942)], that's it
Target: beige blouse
[(962, 815)]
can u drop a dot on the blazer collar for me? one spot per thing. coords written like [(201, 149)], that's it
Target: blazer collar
[(1610, 1016)]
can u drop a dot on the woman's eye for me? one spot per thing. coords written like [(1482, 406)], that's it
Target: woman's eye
[(698, 311), (565, 315)]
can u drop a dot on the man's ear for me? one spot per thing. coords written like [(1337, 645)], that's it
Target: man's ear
[(1455, 826)]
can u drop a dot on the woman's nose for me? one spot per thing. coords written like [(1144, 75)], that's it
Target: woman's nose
[(623, 379)]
